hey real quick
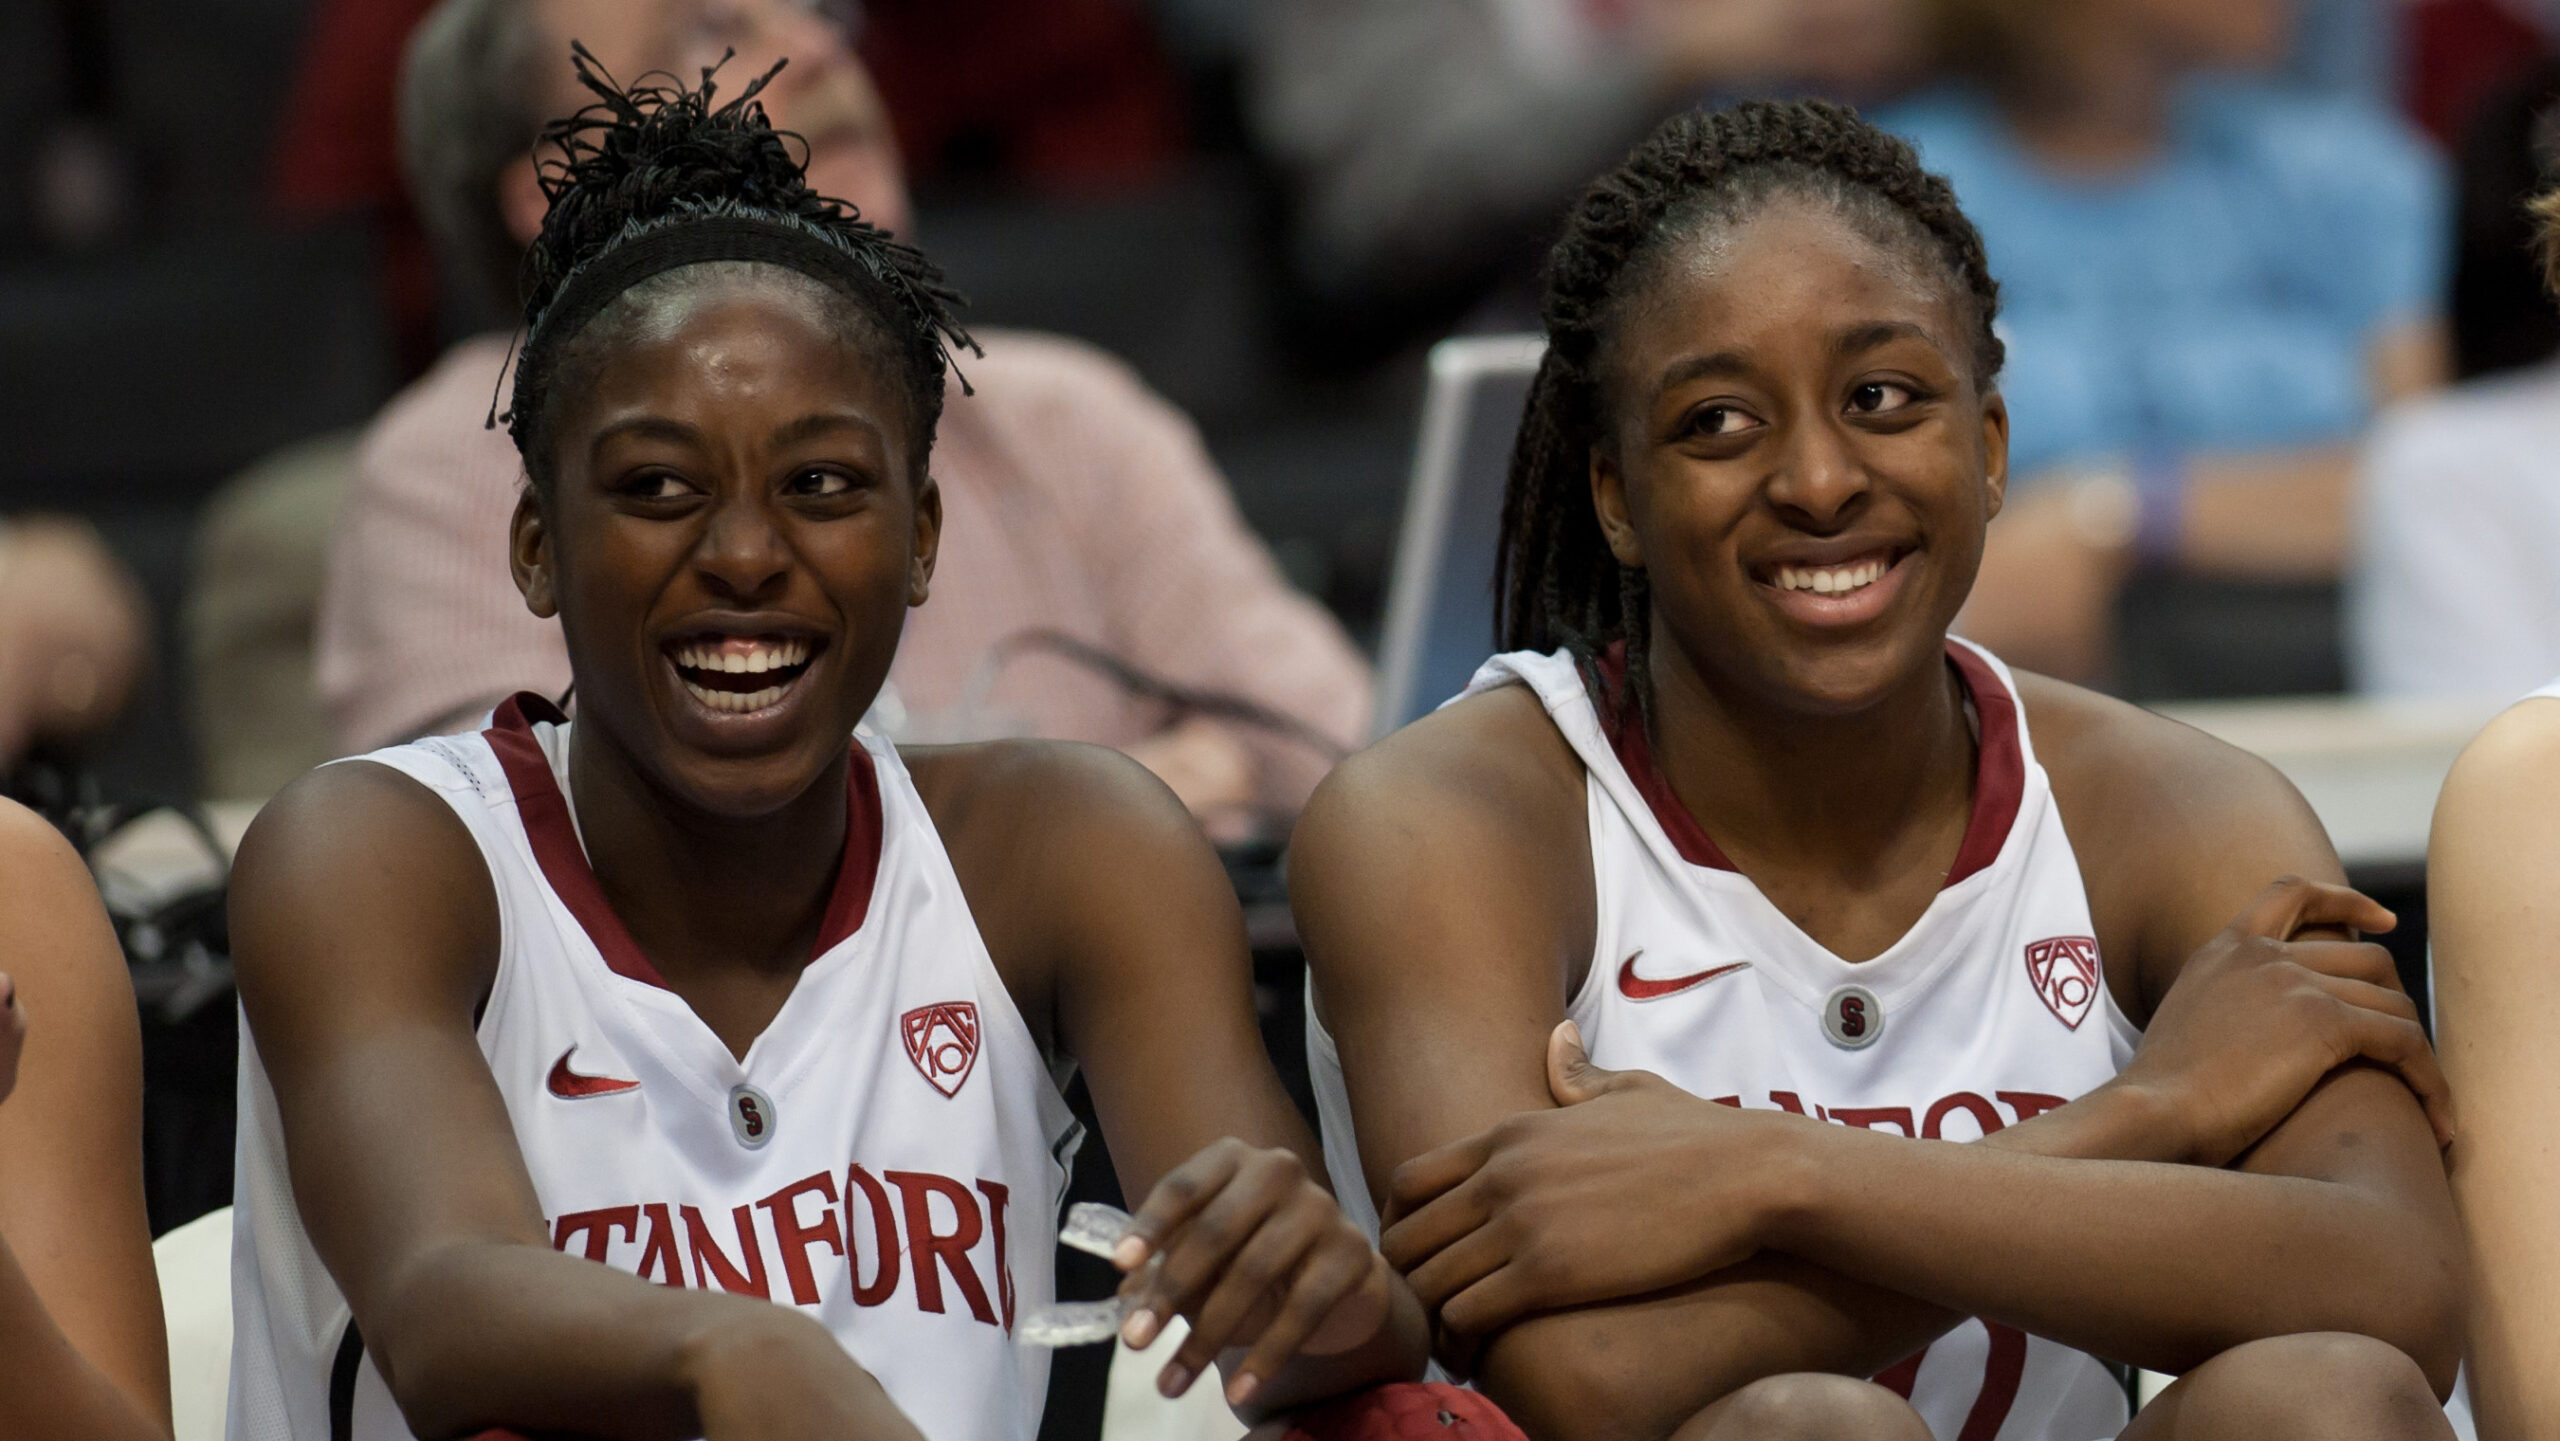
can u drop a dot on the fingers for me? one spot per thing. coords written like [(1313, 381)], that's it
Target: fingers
[(2347, 960), (1419, 1181), (1176, 1198), (1332, 1279), (1462, 1264), (2292, 905), (2398, 1043), (1252, 1185), (1499, 1298), (1247, 1282), (1571, 1078), (1418, 1237)]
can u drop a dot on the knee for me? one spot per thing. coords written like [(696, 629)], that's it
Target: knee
[(1809, 1406), (2324, 1384)]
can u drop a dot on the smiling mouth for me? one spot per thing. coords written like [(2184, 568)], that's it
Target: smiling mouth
[(1844, 578), (739, 675)]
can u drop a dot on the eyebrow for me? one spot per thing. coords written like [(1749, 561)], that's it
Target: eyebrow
[(647, 427), (819, 423), (1859, 339), (1699, 367)]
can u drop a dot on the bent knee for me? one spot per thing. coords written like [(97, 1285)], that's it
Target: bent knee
[(2328, 1383), (1808, 1406)]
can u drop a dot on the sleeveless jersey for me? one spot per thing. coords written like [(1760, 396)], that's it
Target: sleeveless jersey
[(1991, 1009), (888, 1157)]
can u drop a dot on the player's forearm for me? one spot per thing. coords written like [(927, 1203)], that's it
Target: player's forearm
[(480, 1334), (53, 1392), (1635, 1370), (2161, 1265)]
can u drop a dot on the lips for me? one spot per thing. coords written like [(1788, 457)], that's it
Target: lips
[(1833, 591)]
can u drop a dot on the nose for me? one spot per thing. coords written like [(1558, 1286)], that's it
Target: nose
[(1819, 484), (742, 556)]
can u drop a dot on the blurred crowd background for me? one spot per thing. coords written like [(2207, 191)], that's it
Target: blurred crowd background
[(2266, 266)]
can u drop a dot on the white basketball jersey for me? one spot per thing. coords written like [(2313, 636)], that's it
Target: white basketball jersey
[(888, 1157), (1992, 1009)]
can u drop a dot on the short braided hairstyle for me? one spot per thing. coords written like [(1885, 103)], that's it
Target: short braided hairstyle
[(1555, 581), (658, 157)]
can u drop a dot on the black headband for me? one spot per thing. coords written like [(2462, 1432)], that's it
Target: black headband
[(592, 287)]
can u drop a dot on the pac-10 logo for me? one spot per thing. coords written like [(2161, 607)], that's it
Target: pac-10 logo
[(942, 1040), (2065, 973)]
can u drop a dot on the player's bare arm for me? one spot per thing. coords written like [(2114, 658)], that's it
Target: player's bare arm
[(1120, 936), (366, 934), (80, 1331), (2490, 864), (2334, 1219)]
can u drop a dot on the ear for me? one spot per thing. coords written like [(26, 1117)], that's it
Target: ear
[(1609, 503), (520, 199), (928, 541), (529, 556), (1995, 449)]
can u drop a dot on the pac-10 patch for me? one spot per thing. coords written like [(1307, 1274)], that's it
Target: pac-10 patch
[(942, 1040), (1852, 1017), (751, 1116), (2066, 974)]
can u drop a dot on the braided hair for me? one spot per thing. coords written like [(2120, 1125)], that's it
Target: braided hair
[(1555, 581), (640, 163)]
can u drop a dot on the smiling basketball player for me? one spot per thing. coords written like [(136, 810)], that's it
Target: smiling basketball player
[(1821, 886), (769, 1022)]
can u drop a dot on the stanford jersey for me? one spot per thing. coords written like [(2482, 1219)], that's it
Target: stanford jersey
[(888, 1157), (1990, 1010)]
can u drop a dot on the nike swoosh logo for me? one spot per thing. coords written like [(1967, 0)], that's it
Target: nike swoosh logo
[(568, 1085), (1637, 988)]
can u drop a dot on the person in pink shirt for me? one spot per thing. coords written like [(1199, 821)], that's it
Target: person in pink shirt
[(1089, 541)]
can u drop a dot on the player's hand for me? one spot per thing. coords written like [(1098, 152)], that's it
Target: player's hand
[(1245, 1245), (2258, 1018), (782, 1377), (1546, 1209), (13, 1034)]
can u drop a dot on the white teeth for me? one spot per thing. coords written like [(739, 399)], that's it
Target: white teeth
[(738, 702), (1831, 580), (756, 659)]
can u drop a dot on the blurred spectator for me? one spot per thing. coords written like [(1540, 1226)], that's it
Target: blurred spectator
[(1431, 144), (72, 634), (2455, 592), (1082, 519), (2209, 282)]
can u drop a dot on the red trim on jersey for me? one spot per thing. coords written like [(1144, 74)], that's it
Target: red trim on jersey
[(1999, 782), (564, 862)]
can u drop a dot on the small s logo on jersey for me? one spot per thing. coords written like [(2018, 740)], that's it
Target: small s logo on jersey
[(942, 1039), (568, 1085), (1637, 988), (2065, 973), (751, 1116), (1852, 1018)]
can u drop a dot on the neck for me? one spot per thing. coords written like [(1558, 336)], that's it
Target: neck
[(1859, 797), (699, 890), (2091, 96)]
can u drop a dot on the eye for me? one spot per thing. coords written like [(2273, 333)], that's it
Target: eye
[(657, 485), (1880, 397), (1719, 421), (814, 481)]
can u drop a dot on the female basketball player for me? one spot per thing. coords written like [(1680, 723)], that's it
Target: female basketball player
[(1735, 812), (81, 1345), (698, 989)]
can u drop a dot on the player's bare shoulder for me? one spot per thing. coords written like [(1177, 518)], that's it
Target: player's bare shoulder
[(2160, 814), (1478, 806)]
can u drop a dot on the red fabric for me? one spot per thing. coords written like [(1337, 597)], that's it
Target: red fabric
[(1411, 1411), (1064, 93), (337, 151), (2458, 52)]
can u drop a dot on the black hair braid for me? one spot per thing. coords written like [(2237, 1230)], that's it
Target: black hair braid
[(1555, 581), (656, 155)]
